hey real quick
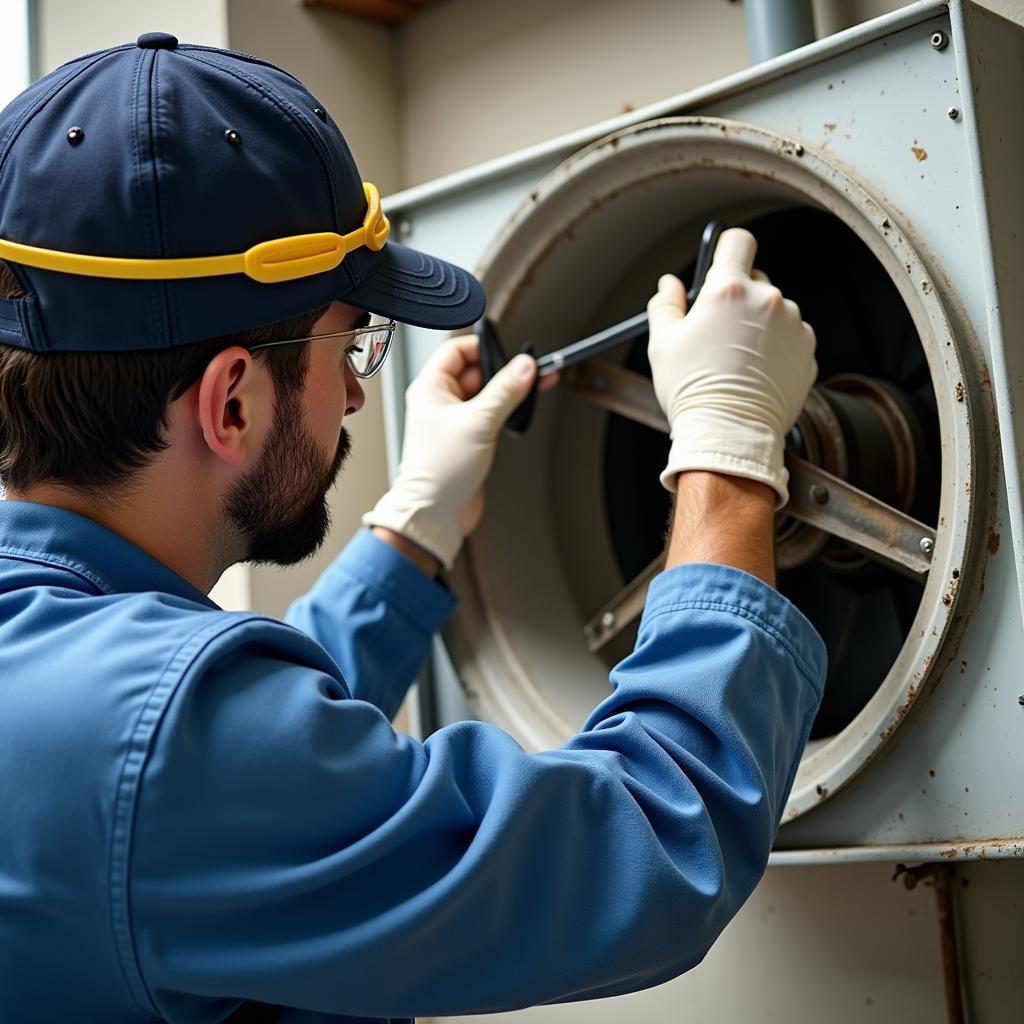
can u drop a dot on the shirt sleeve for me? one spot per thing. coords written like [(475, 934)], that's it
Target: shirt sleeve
[(374, 612), (291, 848)]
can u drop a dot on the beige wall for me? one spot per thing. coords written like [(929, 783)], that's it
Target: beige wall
[(480, 79), (69, 28)]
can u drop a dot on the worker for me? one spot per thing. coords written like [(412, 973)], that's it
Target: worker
[(207, 815)]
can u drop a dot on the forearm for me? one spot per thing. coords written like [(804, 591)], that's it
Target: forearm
[(725, 520), (375, 613)]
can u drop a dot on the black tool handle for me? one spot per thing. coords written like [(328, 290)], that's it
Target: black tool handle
[(492, 359)]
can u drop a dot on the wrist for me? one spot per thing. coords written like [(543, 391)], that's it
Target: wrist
[(413, 513), (719, 441), (726, 520), (427, 563)]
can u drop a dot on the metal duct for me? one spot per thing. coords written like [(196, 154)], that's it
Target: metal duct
[(777, 26)]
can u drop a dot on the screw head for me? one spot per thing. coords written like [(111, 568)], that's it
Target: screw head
[(608, 620), (927, 545), (954, 113), (939, 40), (75, 136), (819, 494), (233, 136)]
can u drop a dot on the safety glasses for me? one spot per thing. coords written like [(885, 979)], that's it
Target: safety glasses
[(366, 353)]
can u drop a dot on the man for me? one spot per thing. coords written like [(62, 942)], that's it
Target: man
[(207, 815)]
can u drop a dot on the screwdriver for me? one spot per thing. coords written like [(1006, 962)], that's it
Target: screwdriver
[(636, 326), (493, 358)]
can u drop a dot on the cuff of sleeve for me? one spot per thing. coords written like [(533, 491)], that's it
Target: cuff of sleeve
[(378, 565), (421, 521), (721, 587)]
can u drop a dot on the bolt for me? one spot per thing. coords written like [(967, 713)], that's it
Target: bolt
[(940, 40), (819, 494), (954, 114), (927, 545), (608, 620)]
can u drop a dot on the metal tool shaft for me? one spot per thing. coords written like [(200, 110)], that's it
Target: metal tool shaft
[(636, 326), (628, 330)]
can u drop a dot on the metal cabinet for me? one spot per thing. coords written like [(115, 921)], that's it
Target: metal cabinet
[(880, 170)]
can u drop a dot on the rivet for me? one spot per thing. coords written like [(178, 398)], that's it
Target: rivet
[(320, 112), (233, 137), (75, 136), (954, 114), (927, 545), (940, 40), (819, 494), (608, 620)]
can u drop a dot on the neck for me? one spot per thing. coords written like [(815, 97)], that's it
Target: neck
[(166, 521)]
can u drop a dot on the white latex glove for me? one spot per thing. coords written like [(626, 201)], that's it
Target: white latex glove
[(733, 374), (451, 433)]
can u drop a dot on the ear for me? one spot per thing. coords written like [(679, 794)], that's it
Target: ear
[(234, 405)]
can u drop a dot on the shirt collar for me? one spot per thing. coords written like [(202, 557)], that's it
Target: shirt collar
[(75, 544)]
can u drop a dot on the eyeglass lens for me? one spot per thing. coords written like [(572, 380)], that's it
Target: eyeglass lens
[(370, 347)]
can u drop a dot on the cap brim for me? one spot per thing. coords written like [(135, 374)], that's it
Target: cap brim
[(409, 286)]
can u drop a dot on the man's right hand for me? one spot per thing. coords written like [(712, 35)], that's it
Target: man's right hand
[(733, 374)]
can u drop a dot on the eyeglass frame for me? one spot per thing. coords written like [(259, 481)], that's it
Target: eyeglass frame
[(389, 327)]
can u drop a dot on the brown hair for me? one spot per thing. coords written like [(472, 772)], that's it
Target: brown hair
[(90, 419)]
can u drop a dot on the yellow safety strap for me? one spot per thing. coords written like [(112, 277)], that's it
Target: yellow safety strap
[(280, 259)]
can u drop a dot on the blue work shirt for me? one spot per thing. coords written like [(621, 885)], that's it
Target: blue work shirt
[(205, 808)]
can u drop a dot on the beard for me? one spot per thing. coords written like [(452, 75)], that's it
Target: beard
[(280, 507)]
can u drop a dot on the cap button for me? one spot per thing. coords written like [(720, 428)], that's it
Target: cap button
[(156, 41)]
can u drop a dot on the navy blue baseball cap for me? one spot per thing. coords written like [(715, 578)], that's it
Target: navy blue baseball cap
[(158, 193)]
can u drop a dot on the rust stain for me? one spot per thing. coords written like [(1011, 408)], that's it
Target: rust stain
[(830, 126), (993, 541), (921, 154), (958, 391)]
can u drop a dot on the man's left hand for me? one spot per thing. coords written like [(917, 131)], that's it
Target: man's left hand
[(451, 433)]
